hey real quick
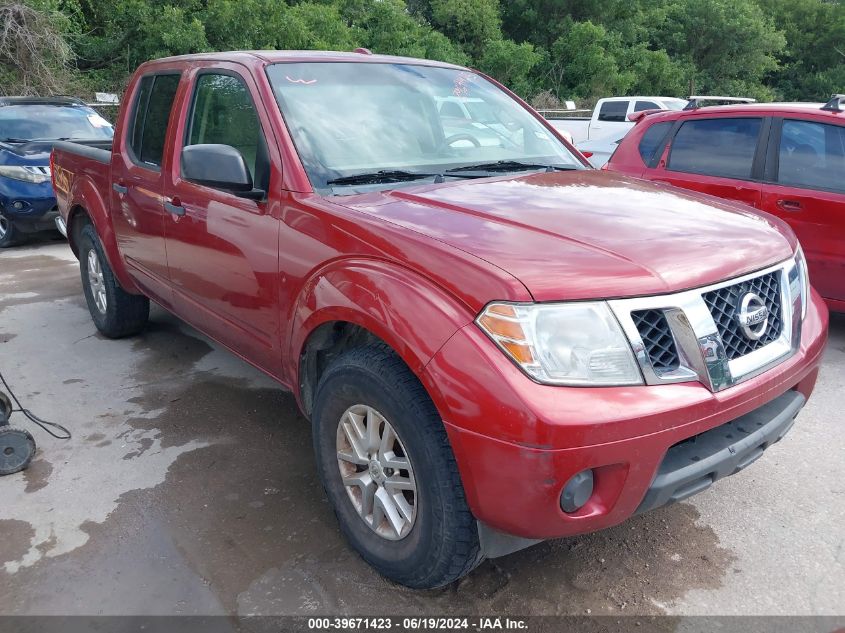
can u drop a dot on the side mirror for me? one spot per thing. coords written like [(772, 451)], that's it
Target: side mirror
[(220, 167)]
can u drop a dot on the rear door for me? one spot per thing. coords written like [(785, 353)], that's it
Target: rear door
[(138, 214), (611, 119), (720, 156), (223, 249), (805, 186)]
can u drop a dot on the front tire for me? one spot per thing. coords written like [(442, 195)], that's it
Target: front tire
[(10, 235), (389, 472), (115, 312)]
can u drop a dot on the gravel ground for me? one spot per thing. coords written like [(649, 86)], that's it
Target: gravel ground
[(189, 488)]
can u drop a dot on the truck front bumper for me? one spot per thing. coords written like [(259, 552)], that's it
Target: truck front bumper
[(518, 443)]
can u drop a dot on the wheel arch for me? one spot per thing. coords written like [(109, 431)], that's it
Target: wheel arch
[(368, 302), (87, 206)]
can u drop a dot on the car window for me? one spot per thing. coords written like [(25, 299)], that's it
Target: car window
[(716, 147), (49, 121), (613, 111), (653, 140), (812, 155), (152, 116), (223, 112), (639, 106), (451, 109)]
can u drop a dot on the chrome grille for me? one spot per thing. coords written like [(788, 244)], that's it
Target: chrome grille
[(695, 334), (658, 340), (723, 304)]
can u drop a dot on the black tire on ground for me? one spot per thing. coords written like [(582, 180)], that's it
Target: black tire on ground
[(5, 408), (125, 314), (442, 545), (17, 448), (10, 235)]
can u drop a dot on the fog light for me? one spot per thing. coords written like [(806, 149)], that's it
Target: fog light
[(577, 491), (18, 205)]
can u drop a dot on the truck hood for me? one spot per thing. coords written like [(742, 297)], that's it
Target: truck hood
[(589, 234)]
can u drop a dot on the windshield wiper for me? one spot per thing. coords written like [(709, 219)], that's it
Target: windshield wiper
[(14, 140), (380, 177), (509, 165)]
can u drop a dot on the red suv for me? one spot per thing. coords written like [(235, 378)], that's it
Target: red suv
[(786, 159)]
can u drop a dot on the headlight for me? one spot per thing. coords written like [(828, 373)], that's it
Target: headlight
[(563, 343), (26, 173), (804, 280)]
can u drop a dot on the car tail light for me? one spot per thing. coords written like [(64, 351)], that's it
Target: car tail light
[(587, 154)]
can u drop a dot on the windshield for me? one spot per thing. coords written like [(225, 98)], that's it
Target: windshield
[(352, 119), (30, 122)]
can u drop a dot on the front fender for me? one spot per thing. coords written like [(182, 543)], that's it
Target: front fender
[(401, 307), (85, 198)]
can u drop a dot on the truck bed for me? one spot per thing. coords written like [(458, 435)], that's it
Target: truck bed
[(99, 151)]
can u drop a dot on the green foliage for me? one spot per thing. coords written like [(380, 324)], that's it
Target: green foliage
[(470, 23), (561, 49)]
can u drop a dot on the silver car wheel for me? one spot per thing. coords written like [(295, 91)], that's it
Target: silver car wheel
[(376, 472), (4, 226), (96, 281)]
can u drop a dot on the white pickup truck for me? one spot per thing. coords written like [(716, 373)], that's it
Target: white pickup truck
[(610, 117)]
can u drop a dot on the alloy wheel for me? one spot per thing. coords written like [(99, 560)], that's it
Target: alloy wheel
[(96, 281), (376, 472)]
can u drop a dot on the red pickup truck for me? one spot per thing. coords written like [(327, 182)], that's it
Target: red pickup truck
[(495, 343)]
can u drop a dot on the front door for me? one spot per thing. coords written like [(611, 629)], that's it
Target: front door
[(807, 190), (138, 214), (223, 250)]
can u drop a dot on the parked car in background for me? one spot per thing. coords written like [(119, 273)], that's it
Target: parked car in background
[(610, 117), (495, 344), (785, 159), (599, 151), (29, 126)]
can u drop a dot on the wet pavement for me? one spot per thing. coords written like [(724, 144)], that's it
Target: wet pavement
[(189, 488)]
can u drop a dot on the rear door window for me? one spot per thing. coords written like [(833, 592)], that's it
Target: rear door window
[(151, 118), (613, 111), (653, 140), (639, 106), (812, 155), (716, 147)]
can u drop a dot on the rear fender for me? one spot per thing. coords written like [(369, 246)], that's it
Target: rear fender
[(86, 200)]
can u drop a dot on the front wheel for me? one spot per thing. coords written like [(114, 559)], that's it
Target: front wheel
[(115, 312), (389, 472), (9, 233)]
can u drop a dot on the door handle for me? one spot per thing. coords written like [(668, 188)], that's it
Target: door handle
[(174, 208), (789, 205), (119, 188)]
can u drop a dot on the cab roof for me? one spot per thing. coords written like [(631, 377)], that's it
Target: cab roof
[(282, 56)]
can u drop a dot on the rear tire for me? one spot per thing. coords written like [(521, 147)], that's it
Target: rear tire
[(439, 543), (115, 312), (10, 235)]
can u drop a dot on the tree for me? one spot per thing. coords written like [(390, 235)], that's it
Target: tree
[(34, 56), (510, 63), (583, 63), (727, 45), (470, 23)]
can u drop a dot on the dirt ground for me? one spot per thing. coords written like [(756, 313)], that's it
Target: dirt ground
[(189, 488)]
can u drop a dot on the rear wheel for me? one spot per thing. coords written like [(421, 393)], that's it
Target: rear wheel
[(115, 312), (9, 233), (389, 472)]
